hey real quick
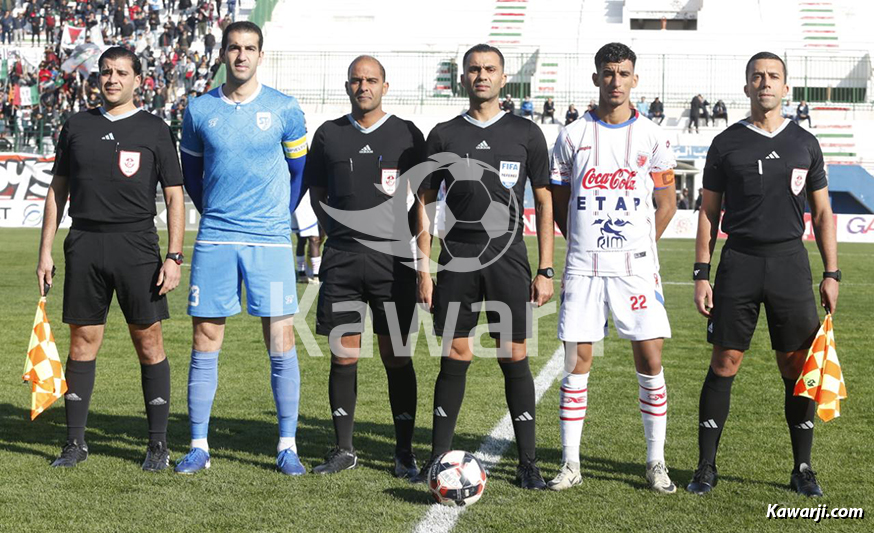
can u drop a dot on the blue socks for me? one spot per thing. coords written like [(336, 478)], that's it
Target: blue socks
[(285, 381), (202, 383)]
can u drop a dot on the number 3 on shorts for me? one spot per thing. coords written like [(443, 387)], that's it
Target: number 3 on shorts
[(638, 302), (194, 296)]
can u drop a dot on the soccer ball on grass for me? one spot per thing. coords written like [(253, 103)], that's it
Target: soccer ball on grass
[(457, 478)]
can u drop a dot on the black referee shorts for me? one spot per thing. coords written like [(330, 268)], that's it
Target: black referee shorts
[(359, 279), (745, 281), (506, 280), (99, 263)]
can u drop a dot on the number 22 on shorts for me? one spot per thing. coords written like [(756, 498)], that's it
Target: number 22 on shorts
[(638, 302)]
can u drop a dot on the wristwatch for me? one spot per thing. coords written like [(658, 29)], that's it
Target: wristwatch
[(177, 257), (836, 275), (547, 273)]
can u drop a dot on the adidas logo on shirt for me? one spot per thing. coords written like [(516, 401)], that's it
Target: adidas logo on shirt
[(440, 412), (365, 150), (773, 155), (524, 417), (108, 137), (709, 424), (339, 412), (483, 146), (404, 416), (158, 401)]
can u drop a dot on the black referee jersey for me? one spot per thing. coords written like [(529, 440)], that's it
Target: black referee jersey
[(360, 168), (764, 178), (114, 164), (514, 146)]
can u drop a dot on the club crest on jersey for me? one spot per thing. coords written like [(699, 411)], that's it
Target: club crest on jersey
[(642, 158), (611, 234), (799, 178), (128, 162), (389, 180), (264, 119), (509, 173)]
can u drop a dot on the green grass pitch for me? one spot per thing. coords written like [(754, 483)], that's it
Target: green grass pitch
[(243, 492)]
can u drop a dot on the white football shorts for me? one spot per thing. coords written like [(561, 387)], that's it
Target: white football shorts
[(637, 304), (303, 221)]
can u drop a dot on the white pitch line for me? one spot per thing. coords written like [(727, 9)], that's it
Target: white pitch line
[(441, 518)]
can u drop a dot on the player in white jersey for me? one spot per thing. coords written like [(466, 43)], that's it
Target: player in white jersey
[(607, 169), (305, 225)]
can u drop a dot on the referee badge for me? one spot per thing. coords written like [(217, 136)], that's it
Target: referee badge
[(128, 162), (509, 173), (389, 180), (799, 178), (264, 120)]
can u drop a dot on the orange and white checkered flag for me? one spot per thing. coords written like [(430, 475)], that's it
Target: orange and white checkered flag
[(43, 365), (821, 378)]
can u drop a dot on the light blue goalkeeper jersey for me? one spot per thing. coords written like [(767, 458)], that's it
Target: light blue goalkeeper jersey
[(245, 147)]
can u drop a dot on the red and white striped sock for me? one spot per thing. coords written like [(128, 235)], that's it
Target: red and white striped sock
[(653, 396), (573, 400)]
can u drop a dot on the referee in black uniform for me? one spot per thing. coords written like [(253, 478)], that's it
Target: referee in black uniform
[(110, 160), (763, 168), (516, 148), (354, 164)]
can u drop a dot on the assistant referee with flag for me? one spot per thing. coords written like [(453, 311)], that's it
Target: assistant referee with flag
[(110, 160), (763, 168)]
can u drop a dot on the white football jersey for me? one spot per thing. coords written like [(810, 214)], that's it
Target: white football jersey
[(611, 218)]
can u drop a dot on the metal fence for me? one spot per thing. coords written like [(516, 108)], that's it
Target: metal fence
[(429, 77), (37, 138), (260, 15)]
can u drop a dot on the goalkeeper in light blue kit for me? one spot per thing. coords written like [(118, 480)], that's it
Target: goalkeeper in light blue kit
[(243, 151)]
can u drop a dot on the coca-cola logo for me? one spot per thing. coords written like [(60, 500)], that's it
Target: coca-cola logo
[(621, 179)]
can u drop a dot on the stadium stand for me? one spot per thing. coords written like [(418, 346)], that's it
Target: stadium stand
[(684, 48), (851, 189), (549, 47)]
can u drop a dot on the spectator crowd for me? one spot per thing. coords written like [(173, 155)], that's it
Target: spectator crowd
[(174, 39), (654, 111)]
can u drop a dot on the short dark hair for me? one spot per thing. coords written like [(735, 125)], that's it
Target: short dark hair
[(363, 58), (614, 53), (766, 55), (481, 49), (118, 52), (242, 27)]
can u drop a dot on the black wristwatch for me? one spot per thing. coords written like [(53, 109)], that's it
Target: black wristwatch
[(177, 257), (836, 275), (547, 273)]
